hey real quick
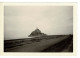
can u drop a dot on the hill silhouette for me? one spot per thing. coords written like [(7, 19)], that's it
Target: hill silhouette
[(36, 33)]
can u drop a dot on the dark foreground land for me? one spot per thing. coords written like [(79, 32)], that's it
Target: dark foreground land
[(52, 43)]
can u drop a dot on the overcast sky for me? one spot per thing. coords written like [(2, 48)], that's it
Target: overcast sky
[(20, 21)]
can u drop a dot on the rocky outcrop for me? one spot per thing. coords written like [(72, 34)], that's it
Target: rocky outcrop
[(36, 33)]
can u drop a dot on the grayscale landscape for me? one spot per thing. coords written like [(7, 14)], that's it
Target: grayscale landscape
[(38, 29)]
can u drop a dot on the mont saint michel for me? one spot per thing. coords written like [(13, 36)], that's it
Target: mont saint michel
[(37, 28)]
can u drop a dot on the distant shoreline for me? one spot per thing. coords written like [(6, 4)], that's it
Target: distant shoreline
[(33, 37)]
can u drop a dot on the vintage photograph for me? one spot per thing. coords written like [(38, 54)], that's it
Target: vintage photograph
[(38, 28)]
